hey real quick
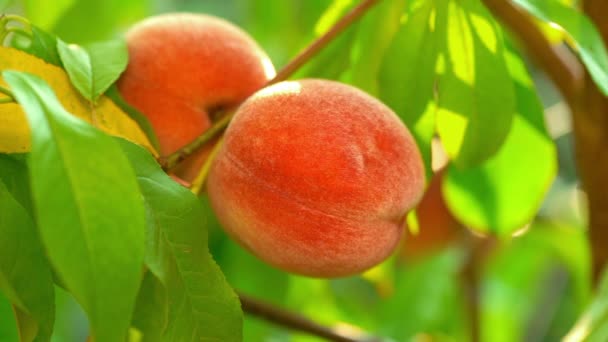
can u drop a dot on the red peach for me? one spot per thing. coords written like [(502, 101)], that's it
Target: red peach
[(181, 67), (316, 177)]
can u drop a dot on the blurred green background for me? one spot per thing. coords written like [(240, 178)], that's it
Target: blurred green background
[(533, 286)]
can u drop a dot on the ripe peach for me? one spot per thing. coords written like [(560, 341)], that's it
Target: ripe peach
[(437, 226), (315, 177), (181, 67)]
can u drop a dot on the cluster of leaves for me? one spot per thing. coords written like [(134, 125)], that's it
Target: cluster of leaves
[(93, 214)]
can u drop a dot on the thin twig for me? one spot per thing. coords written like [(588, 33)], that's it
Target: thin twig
[(291, 320), (564, 69), (309, 52), (199, 181), (297, 62), (175, 158)]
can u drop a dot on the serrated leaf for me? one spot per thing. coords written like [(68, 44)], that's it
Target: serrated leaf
[(14, 129), (476, 96), (93, 68), (407, 74), (25, 276), (202, 306), (581, 29), (88, 208), (505, 192)]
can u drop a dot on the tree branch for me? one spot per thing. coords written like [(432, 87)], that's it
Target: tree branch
[(318, 45), (304, 56), (564, 69), (287, 319), (589, 109), (590, 123)]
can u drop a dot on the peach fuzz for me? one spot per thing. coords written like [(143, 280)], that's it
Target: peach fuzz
[(315, 177), (181, 67)]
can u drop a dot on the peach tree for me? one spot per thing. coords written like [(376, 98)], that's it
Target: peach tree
[(124, 156)]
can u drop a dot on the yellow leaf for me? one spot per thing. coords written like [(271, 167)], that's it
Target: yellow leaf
[(106, 115)]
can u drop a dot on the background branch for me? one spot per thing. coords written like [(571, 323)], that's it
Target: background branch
[(562, 67), (590, 121), (287, 319), (589, 109)]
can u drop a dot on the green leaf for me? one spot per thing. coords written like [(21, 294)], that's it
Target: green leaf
[(425, 289), (8, 326), (592, 326), (202, 306), (42, 45), (281, 27), (334, 59), (532, 290), (92, 69), (262, 281), (580, 28), (476, 96), (376, 31), (504, 193), (142, 120), (151, 311), (13, 172), (89, 210), (407, 74), (25, 276)]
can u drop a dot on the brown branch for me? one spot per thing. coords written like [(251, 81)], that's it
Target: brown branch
[(558, 62), (297, 62), (293, 321), (589, 109), (590, 123)]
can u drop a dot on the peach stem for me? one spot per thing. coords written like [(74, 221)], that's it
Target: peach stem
[(199, 181)]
